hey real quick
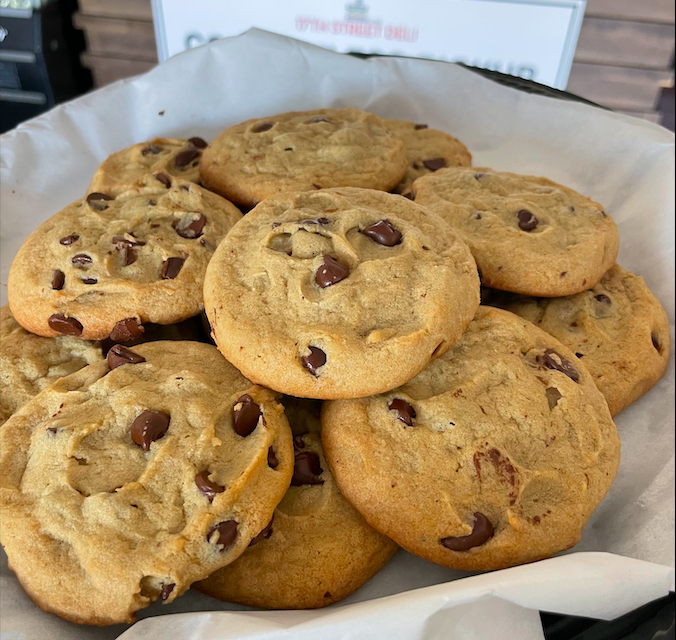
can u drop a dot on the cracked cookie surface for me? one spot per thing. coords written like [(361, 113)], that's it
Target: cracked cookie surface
[(317, 549), (30, 363), (103, 266), (302, 150), (338, 293), (528, 235), (132, 478), (618, 328), (175, 157), (495, 455), (427, 150)]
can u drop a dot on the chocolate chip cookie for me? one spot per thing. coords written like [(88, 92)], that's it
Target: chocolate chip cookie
[(618, 329), (316, 550), (528, 235), (427, 150), (103, 266), (338, 293), (495, 455), (130, 479), (30, 363), (302, 150), (174, 157)]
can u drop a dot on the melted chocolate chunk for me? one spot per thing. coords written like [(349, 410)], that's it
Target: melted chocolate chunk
[(263, 535), (418, 127), (273, 463), (553, 360), (482, 532), (126, 330), (227, 534), (164, 179), (200, 143), (166, 591), (434, 164), (58, 280), (151, 150), (69, 239), (148, 427), (119, 355), (330, 272), (314, 361), (405, 412), (81, 259), (171, 268), (65, 326), (320, 221), (383, 232), (263, 126), (187, 228), (306, 469), (245, 415), (602, 297), (88, 280), (208, 487), (185, 157), (527, 221), (98, 197)]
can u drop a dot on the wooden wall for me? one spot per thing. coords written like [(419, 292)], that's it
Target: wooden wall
[(624, 54)]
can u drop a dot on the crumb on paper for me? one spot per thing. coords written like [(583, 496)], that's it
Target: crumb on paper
[(160, 113)]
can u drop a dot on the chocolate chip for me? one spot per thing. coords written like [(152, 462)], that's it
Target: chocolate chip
[(166, 591), (479, 175), (126, 330), (298, 442), (200, 143), (553, 396), (563, 274), (227, 534), (319, 119), (52, 431), (418, 127), (164, 179), (409, 194), (330, 272), (119, 355), (171, 268), (434, 164), (120, 242), (656, 342), (88, 280), (69, 239), (477, 216), (81, 258), (148, 427), (66, 326), (405, 412), (206, 244), (273, 463), (151, 150), (314, 361), (320, 221), (208, 487), (187, 228), (579, 355), (58, 280), (184, 158), (553, 360), (602, 297), (316, 186), (383, 232), (527, 221), (245, 415), (482, 532), (97, 197), (130, 256), (306, 469), (263, 126), (263, 535)]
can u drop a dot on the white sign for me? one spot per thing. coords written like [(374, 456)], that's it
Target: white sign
[(526, 38)]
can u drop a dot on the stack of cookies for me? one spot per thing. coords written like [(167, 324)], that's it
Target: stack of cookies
[(358, 397)]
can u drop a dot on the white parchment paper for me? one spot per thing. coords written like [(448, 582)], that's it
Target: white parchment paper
[(627, 164)]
